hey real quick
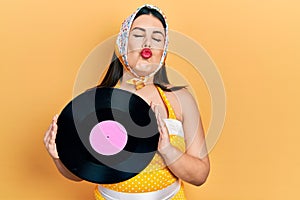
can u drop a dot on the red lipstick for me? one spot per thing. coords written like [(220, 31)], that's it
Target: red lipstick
[(146, 53)]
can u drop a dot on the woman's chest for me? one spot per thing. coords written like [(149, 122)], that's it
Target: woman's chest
[(166, 104)]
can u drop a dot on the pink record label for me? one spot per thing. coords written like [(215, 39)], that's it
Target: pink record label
[(108, 137)]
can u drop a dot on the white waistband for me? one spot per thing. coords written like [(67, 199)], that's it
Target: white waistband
[(164, 194), (174, 127)]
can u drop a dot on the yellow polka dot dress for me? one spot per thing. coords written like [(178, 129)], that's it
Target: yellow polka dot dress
[(156, 175)]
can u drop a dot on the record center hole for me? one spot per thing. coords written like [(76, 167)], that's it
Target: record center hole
[(108, 137)]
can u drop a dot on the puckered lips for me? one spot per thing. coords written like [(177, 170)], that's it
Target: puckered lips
[(146, 53)]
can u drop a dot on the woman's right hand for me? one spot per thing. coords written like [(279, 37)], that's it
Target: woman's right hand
[(49, 138), (49, 141)]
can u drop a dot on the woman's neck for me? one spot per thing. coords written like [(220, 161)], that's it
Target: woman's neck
[(126, 81)]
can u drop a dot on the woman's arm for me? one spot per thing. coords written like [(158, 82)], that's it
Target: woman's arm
[(49, 141), (64, 171), (192, 166)]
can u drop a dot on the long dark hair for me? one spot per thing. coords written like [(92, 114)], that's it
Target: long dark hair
[(115, 70)]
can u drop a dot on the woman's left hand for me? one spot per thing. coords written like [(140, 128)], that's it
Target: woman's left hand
[(164, 140)]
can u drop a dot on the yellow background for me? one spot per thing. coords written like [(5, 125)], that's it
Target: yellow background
[(255, 45)]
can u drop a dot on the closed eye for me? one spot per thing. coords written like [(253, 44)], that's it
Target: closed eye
[(138, 36), (157, 40)]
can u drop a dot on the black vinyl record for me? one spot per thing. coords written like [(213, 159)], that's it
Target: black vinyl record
[(106, 135)]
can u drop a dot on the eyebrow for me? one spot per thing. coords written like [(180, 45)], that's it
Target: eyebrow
[(142, 29)]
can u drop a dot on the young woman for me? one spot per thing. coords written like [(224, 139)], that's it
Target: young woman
[(138, 66)]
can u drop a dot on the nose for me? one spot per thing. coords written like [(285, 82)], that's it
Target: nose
[(146, 43)]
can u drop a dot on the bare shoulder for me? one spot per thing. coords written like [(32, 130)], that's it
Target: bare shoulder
[(185, 97), (182, 101)]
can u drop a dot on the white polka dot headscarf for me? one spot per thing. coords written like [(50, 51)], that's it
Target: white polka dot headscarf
[(122, 41)]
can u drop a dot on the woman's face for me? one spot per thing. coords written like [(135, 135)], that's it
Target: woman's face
[(146, 32)]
